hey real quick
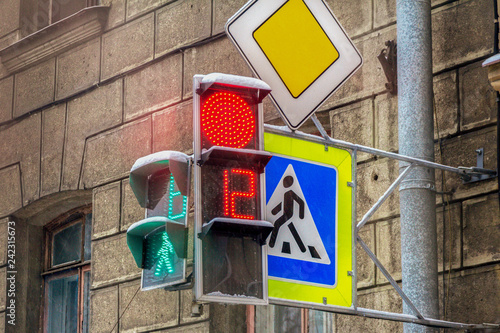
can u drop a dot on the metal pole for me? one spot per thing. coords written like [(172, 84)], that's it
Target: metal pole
[(416, 139)]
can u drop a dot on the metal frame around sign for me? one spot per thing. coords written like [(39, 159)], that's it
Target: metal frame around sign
[(417, 317)]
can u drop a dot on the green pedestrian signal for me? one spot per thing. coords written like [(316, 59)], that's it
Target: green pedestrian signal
[(159, 254), (164, 264), (161, 262), (158, 243)]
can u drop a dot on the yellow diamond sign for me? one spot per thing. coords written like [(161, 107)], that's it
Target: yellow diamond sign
[(298, 48)]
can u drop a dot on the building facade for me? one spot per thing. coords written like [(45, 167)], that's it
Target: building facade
[(88, 87)]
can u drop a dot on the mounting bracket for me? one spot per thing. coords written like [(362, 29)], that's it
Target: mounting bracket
[(388, 60), (478, 173), (416, 317)]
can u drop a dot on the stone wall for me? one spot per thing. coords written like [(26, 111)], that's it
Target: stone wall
[(72, 125)]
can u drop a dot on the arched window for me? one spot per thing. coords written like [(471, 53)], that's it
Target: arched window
[(67, 272)]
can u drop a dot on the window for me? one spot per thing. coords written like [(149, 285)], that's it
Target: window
[(51, 11), (275, 318), (67, 272), (288, 319)]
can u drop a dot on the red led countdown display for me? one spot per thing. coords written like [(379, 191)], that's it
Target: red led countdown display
[(231, 196), (230, 192)]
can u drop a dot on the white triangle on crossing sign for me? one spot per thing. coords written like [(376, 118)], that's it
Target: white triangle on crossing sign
[(295, 235)]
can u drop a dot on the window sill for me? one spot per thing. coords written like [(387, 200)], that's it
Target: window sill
[(55, 38)]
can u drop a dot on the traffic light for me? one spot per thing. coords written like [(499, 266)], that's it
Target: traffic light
[(161, 183), (231, 261)]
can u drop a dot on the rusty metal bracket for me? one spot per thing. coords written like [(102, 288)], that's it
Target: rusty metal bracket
[(388, 60)]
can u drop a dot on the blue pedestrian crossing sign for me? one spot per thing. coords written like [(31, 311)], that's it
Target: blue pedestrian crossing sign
[(295, 245), (309, 202)]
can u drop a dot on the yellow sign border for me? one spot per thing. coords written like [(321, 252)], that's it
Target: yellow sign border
[(342, 294)]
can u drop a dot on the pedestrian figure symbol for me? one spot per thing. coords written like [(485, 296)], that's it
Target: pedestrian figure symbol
[(295, 234), (288, 204)]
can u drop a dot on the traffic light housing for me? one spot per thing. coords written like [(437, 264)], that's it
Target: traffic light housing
[(231, 261), (158, 243)]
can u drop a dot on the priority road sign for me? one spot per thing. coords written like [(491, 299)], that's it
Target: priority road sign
[(309, 202), (298, 48)]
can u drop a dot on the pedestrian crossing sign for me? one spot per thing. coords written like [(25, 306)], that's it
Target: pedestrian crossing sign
[(295, 242), (309, 201)]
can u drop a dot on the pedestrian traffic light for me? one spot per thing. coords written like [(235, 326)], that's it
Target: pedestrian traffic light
[(231, 261), (158, 243)]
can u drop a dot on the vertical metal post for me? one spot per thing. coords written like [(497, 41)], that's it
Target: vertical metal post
[(416, 134)]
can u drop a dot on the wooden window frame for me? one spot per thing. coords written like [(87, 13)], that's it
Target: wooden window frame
[(65, 221), (81, 292), (78, 267)]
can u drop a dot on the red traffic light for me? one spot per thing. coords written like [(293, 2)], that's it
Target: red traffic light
[(227, 120), (229, 190), (228, 141)]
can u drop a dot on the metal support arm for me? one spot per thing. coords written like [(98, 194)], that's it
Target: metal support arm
[(388, 276), (348, 145), (384, 197)]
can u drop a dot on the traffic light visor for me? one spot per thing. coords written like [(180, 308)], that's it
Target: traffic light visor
[(229, 114), (177, 164)]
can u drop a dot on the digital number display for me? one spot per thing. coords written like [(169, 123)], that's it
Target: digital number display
[(232, 194), (165, 198), (229, 191)]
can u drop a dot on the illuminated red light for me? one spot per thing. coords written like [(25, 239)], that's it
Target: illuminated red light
[(230, 196), (227, 120)]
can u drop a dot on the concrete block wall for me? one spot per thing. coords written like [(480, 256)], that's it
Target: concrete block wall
[(9, 18), (77, 121), (80, 107)]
